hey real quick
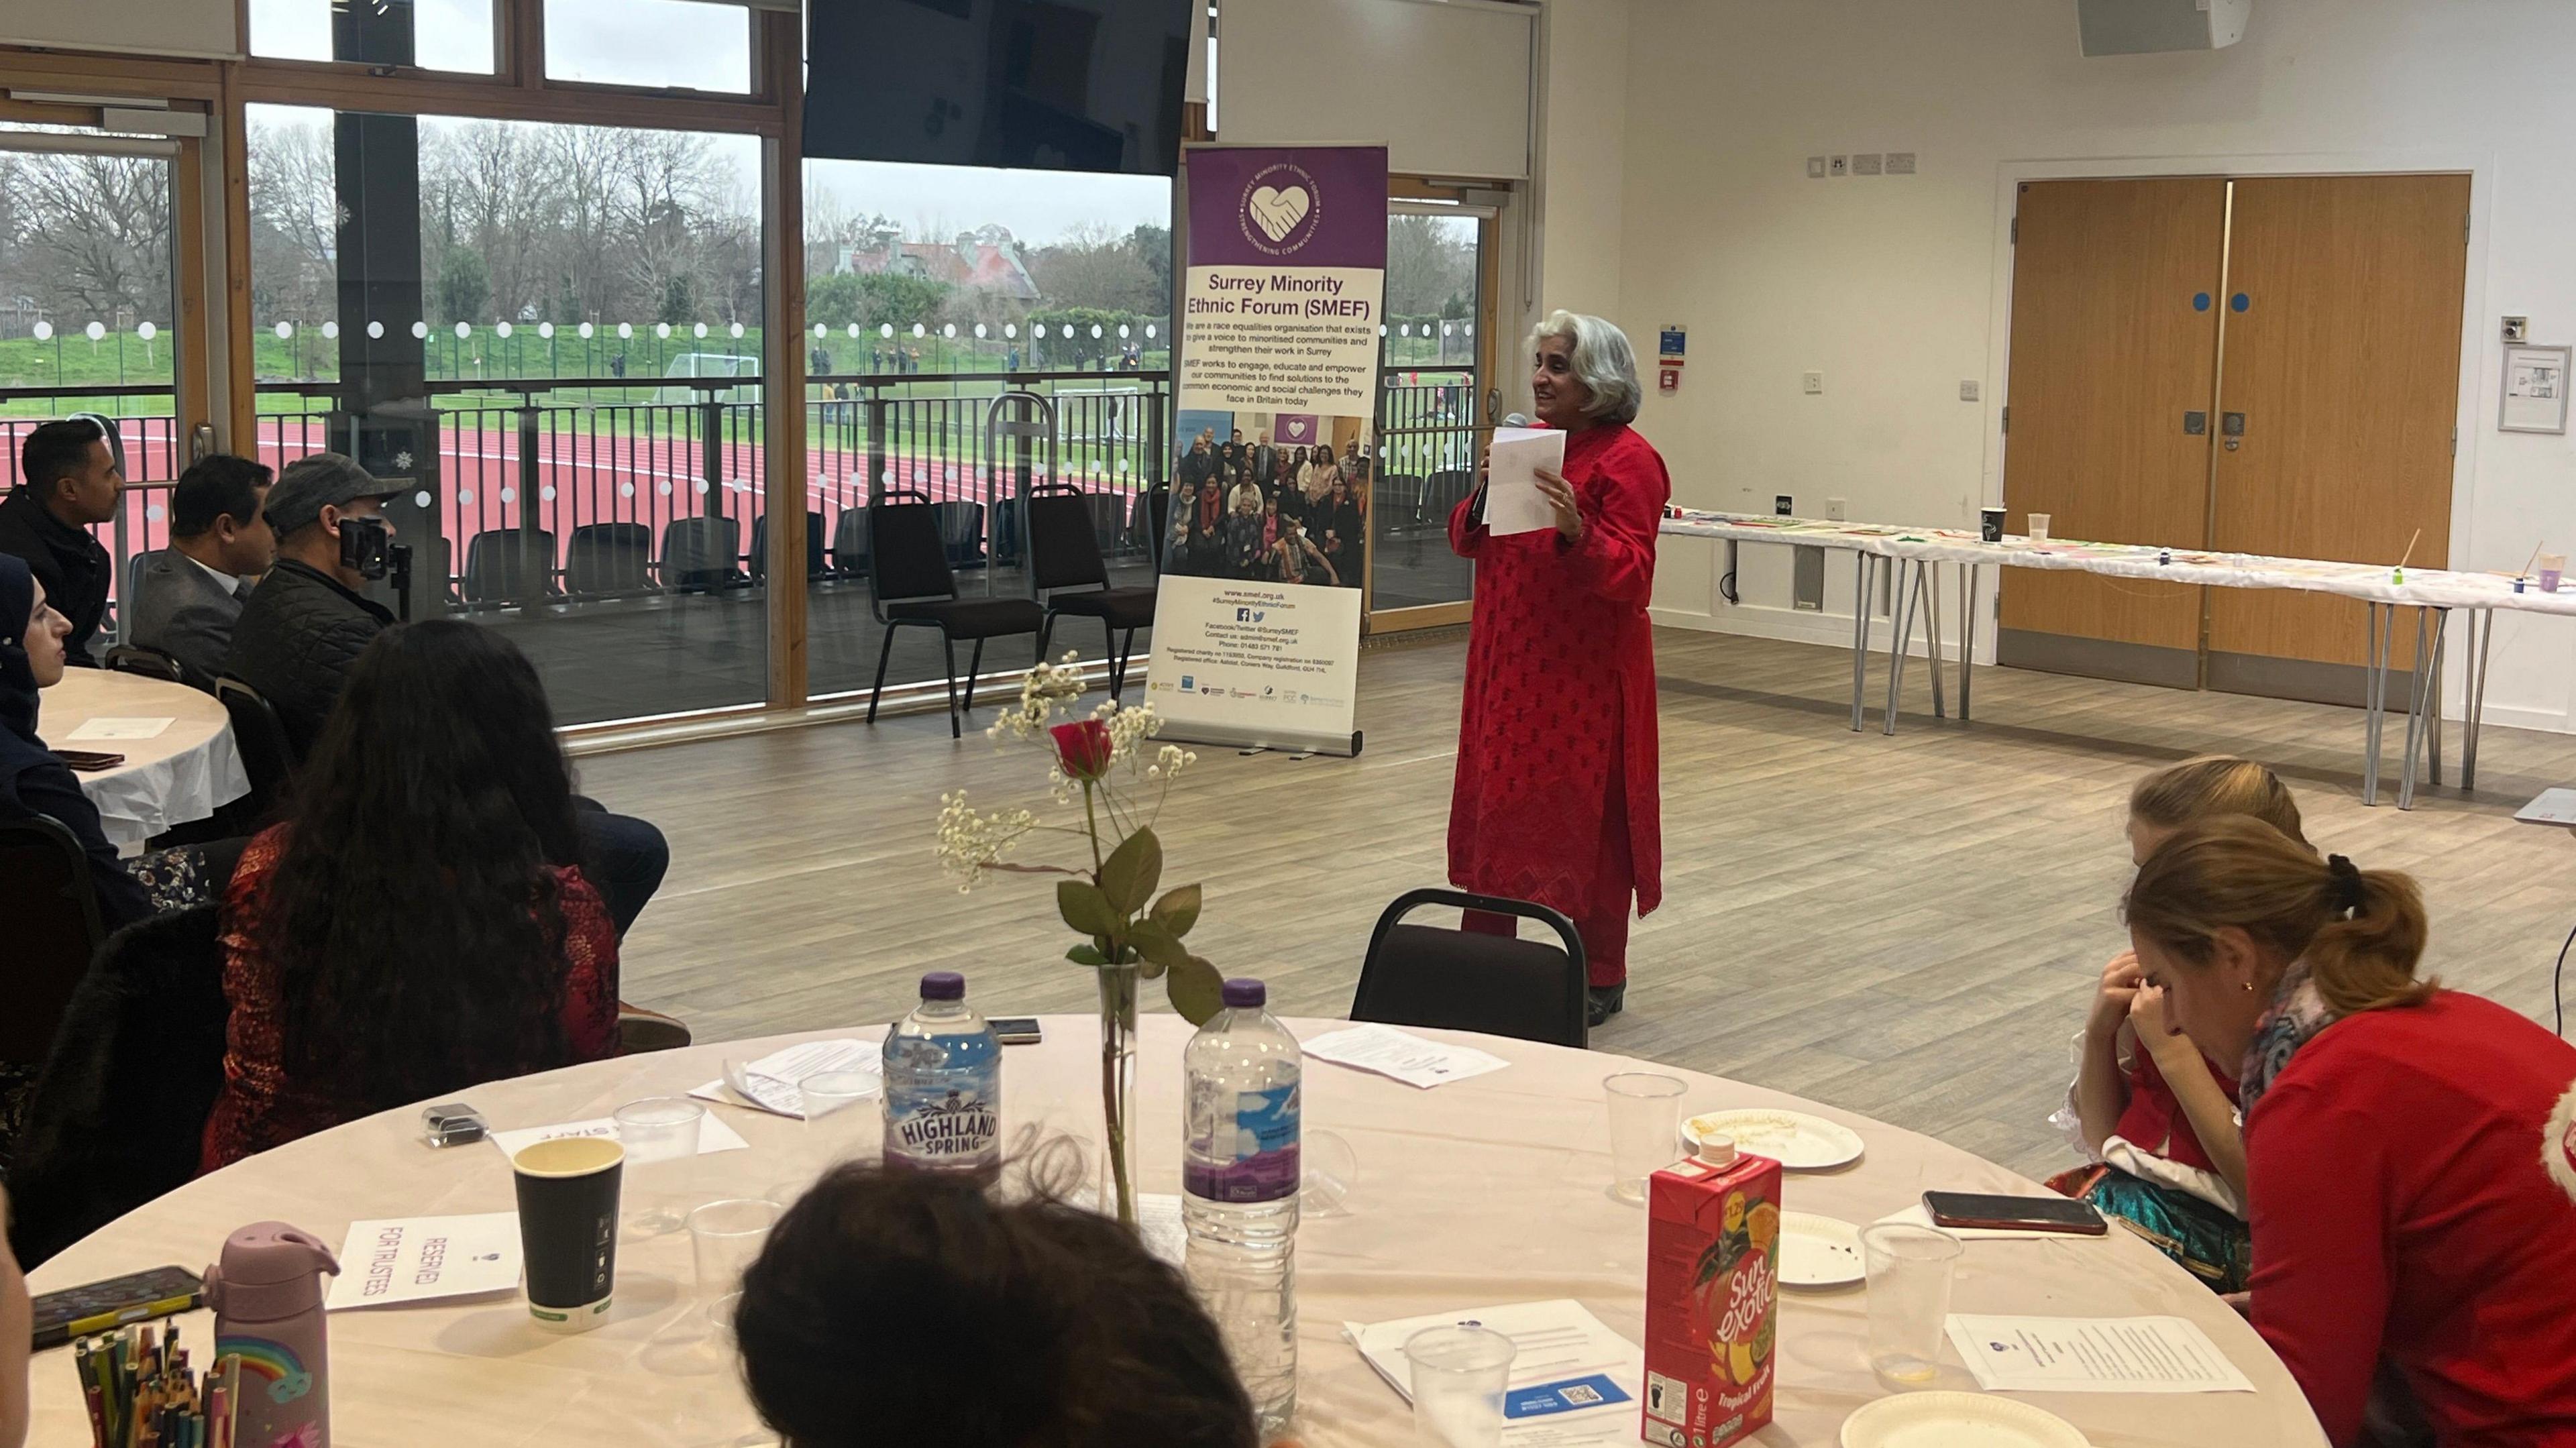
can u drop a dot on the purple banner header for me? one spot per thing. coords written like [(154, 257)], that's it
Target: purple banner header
[(1320, 206)]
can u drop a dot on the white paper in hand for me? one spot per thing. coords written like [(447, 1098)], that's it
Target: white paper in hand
[(421, 1259), (1513, 503)]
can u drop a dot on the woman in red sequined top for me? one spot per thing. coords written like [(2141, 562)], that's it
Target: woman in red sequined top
[(1556, 797), (422, 924)]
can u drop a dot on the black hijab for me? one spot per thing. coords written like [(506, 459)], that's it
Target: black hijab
[(17, 671)]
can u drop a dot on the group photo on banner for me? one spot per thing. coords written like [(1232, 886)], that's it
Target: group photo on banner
[(1265, 547)]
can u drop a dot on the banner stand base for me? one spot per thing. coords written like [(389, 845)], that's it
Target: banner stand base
[(1218, 736)]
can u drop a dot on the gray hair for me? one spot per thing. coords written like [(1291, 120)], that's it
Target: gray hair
[(1602, 360)]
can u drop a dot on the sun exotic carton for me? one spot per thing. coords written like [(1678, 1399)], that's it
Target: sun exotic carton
[(1712, 1297)]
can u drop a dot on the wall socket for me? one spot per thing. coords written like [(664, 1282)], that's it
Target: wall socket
[(1868, 164), (1900, 163), (2517, 329), (1967, 391), (1815, 168), (1838, 166), (1834, 510), (1813, 382)]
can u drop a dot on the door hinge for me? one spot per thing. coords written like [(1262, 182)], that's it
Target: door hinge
[(2455, 442), (2007, 418), (2464, 227), (2016, 228)]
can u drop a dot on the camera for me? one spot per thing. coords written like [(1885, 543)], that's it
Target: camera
[(365, 546)]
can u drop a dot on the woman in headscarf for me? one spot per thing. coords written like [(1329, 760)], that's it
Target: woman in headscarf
[(33, 780)]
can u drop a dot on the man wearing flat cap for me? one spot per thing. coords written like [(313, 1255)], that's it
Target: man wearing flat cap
[(307, 620)]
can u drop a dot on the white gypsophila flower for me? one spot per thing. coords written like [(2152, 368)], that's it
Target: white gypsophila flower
[(971, 842)]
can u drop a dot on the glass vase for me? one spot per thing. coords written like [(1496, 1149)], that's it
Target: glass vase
[(1118, 1090)]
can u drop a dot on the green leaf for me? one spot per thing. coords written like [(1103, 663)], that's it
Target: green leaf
[(1178, 910), (1156, 943), (1196, 990), (1085, 908), (1086, 955), (1131, 872)]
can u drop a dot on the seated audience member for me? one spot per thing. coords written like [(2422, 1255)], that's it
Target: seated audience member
[(2157, 1116), (2410, 1169), (306, 623), (17, 1332), (67, 480), (33, 781), (422, 923), (190, 592), (905, 1291)]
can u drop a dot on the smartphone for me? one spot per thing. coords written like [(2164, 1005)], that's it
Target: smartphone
[(80, 1311), (362, 546), (2014, 1214), (88, 761), (1018, 1030)]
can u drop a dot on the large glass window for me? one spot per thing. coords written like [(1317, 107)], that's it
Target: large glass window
[(1429, 407), (557, 335), (932, 291), (668, 44), (450, 34)]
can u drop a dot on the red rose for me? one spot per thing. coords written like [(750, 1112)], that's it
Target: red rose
[(1082, 748)]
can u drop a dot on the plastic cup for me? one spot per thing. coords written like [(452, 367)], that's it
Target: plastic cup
[(1459, 1376), (2038, 526), (725, 1238), (840, 1122), (1332, 1168), (1645, 1127), (654, 1130), (2552, 567), (1909, 1271)]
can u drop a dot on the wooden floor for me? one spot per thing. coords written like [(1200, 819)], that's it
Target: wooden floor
[(1907, 927)]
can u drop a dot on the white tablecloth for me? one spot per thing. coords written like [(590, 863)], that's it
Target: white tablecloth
[(2424, 587), (1486, 1191), (185, 773)]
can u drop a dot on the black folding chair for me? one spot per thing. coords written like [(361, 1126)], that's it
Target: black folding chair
[(1064, 554), (54, 928), (1462, 980), (910, 585), (814, 568), (609, 558), (151, 663), (509, 565), (267, 756)]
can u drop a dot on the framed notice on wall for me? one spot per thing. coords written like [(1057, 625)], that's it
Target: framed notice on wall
[(2535, 390)]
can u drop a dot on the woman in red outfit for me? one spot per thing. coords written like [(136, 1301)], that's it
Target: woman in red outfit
[(421, 924), (2411, 1191), (1556, 795)]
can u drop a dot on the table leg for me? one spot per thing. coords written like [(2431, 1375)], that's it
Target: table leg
[(2433, 695), (1967, 633), (1901, 604), (2414, 711), (2481, 638), (2374, 698), (1861, 571)]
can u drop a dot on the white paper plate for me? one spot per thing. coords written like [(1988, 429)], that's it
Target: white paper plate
[(1819, 1251), (1957, 1420), (1792, 1138)]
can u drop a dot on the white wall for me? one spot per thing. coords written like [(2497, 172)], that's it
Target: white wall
[(1896, 287), (1583, 119)]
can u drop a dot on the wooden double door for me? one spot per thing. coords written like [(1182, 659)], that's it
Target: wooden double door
[(2249, 365)]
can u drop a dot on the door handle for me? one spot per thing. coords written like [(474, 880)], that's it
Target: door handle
[(2195, 424), (2232, 424)]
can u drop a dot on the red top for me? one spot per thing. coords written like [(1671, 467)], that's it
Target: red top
[(261, 1107), (1560, 680), (2401, 1206), (2154, 1121)]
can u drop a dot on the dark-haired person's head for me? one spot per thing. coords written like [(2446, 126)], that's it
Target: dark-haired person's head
[(903, 1308), (72, 470), (216, 514), (414, 913), (312, 498)]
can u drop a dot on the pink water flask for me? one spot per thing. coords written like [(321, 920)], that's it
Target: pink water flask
[(267, 1297)]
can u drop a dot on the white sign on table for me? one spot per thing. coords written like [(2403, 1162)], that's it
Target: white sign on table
[(1573, 1379), (770, 1083), (421, 1259), (2093, 1355), (1408, 1058), (713, 1135), (104, 729), (1513, 503)]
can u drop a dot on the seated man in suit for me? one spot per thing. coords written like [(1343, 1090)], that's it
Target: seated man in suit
[(190, 592)]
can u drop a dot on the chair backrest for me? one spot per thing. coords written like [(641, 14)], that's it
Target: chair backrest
[(850, 543), (267, 756), (700, 551), (508, 563), (53, 930), (813, 545), (1426, 975), (609, 558), (150, 662), (1064, 546), (119, 1113), (906, 557), (961, 528)]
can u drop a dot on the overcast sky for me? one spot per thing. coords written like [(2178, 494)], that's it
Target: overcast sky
[(682, 42)]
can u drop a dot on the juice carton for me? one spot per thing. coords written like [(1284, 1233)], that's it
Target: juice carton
[(1712, 1297)]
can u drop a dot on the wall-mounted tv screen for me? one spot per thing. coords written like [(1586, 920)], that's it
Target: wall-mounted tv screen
[(1058, 85)]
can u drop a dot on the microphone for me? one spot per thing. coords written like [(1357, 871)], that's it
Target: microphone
[(1514, 419)]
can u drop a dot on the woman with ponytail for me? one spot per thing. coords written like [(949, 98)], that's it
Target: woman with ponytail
[(2407, 1148)]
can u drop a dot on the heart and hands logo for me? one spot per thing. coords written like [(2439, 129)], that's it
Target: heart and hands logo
[(1277, 210)]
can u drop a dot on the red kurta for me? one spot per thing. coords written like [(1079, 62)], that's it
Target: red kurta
[(1560, 697)]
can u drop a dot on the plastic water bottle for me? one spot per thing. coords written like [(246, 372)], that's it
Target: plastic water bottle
[(1239, 1180), (943, 1084)]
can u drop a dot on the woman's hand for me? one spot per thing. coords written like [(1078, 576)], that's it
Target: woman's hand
[(1560, 496), (2155, 1031), (2117, 996)]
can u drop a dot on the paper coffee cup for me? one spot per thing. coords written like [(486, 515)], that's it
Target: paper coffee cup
[(568, 1228), (1991, 524)]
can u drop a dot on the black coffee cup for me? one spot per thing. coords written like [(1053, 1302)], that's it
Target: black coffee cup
[(1990, 524), (568, 1228)]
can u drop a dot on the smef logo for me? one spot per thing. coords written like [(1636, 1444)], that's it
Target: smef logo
[(1250, 615), (1281, 208)]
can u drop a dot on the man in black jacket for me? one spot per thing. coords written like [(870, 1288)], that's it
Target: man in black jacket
[(306, 624), (67, 480)]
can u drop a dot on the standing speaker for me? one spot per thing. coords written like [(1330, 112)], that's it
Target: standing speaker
[(2137, 27)]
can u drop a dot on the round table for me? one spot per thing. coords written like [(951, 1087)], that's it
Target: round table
[(183, 773), (1485, 1191)]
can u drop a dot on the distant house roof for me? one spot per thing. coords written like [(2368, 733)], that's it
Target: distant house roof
[(987, 261)]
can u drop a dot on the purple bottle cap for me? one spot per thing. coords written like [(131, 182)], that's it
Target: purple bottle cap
[(943, 985), (1245, 994)]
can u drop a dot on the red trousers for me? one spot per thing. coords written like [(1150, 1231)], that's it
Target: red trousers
[(1603, 921)]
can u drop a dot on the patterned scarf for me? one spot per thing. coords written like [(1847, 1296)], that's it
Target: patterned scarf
[(2297, 1013)]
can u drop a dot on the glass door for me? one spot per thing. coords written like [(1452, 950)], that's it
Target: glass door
[(1434, 368), (93, 260)]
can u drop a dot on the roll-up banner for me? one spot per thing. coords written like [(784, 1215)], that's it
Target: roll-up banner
[(1257, 622)]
